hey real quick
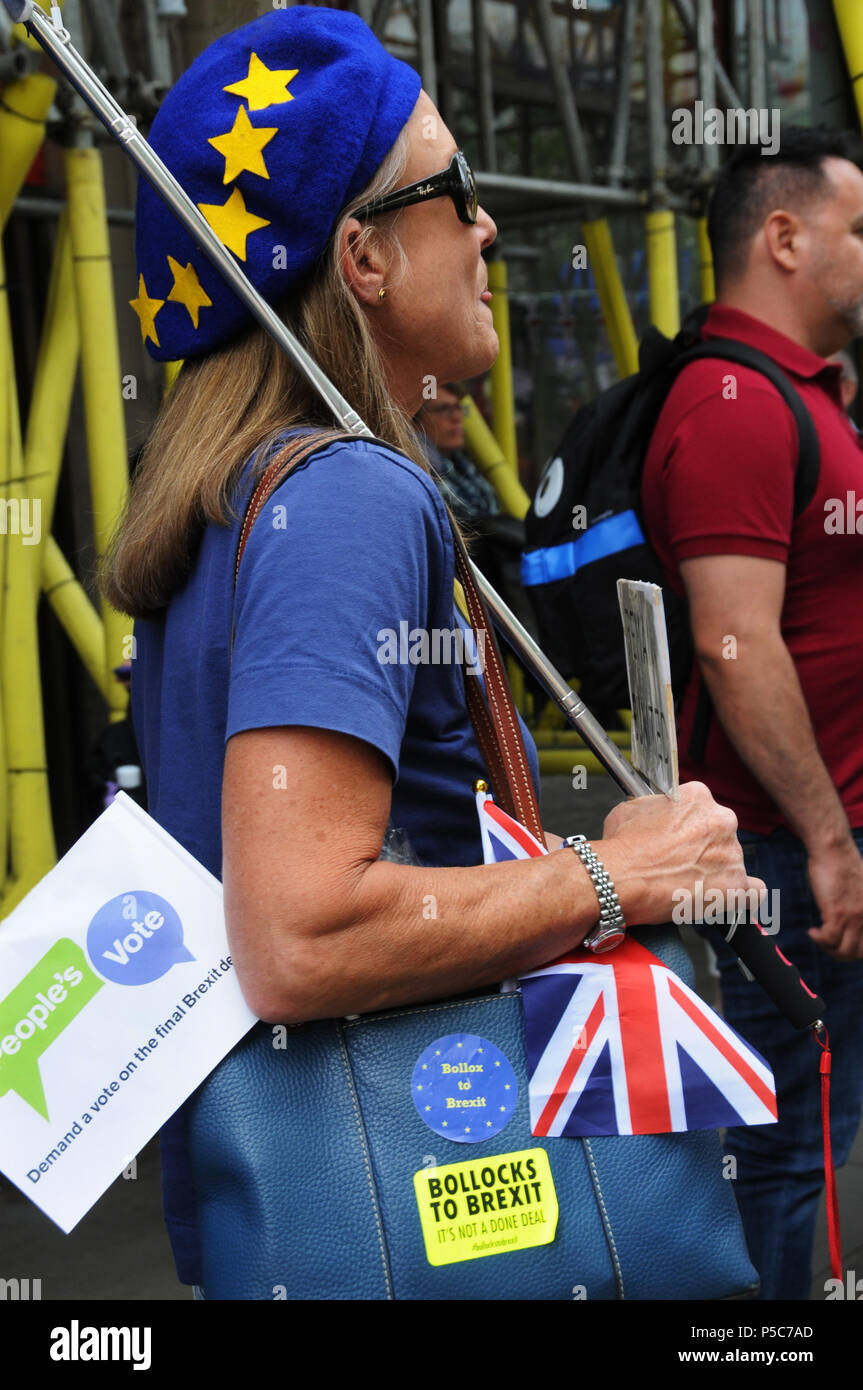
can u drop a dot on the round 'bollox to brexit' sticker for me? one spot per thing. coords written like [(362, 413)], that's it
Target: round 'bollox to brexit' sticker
[(464, 1088)]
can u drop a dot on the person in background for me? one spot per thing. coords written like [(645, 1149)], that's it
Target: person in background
[(463, 486), (778, 641), (497, 540)]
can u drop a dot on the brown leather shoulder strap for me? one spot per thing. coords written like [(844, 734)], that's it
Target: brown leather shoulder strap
[(495, 724)]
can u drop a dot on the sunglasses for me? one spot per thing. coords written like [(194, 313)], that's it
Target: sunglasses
[(455, 409), (456, 182)]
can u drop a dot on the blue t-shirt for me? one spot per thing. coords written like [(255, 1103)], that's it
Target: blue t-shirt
[(351, 556)]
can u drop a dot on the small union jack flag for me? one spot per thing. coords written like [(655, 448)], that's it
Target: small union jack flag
[(621, 1045), (503, 837)]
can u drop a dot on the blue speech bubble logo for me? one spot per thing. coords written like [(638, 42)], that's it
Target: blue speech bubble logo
[(135, 939)]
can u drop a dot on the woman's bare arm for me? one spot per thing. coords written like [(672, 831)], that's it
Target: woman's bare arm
[(319, 926)]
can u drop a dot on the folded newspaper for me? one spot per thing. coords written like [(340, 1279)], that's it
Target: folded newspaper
[(648, 670)]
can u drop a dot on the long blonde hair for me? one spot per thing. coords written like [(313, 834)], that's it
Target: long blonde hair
[(226, 404)]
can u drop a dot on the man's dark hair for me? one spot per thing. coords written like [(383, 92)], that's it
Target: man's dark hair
[(751, 184)]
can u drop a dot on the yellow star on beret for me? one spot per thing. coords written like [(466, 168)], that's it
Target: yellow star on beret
[(242, 147), (188, 289), (232, 222), (263, 86), (146, 309)]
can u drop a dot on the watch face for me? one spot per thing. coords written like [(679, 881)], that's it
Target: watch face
[(605, 940)]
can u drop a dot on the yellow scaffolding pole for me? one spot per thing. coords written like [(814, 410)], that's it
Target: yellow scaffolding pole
[(849, 21), (74, 610), (705, 262), (22, 129), (561, 749), (54, 380), (101, 382), (7, 405), (502, 396), (20, 35), (488, 457), (27, 848), (171, 372), (32, 850), (570, 738), (80, 293), (47, 424), (662, 271), (612, 298), (560, 762)]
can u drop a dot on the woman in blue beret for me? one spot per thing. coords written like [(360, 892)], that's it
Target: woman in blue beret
[(280, 764)]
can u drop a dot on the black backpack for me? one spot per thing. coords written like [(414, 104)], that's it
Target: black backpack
[(574, 558)]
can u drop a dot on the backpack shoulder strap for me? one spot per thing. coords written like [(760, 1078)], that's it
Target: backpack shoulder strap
[(809, 448)]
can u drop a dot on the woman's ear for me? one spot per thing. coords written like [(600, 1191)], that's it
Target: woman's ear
[(364, 262)]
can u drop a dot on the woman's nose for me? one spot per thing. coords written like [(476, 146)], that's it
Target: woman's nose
[(489, 229)]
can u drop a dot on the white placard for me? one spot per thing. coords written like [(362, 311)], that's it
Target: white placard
[(648, 670), (118, 997)]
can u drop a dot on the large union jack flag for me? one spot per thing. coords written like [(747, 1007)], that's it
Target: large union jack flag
[(621, 1045)]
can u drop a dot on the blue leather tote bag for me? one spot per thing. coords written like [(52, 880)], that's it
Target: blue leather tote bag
[(304, 1157)]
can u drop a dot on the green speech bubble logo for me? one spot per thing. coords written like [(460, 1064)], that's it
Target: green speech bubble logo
[(35, 1014)]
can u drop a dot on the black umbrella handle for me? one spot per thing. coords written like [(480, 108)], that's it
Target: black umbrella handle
[(776, 975)]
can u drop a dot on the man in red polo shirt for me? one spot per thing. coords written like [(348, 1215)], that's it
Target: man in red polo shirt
[(776, 608)]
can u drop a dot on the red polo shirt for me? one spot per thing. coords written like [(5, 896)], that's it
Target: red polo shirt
[(719, 480)]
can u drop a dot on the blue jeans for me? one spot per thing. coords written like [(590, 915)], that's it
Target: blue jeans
[(780, 1168)]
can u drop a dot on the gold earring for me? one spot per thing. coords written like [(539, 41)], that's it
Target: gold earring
[(382, 294)]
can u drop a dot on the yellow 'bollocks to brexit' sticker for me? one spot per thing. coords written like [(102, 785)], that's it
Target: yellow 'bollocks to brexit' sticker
[(486, 1206)]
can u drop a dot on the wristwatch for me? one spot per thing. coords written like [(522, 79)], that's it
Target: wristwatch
[(610, 930)]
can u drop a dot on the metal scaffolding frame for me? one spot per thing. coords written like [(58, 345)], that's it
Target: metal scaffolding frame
[(596, 120), (567, 95)]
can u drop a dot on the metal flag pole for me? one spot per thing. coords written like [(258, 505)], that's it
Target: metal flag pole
[(56, 41), (776, 975)]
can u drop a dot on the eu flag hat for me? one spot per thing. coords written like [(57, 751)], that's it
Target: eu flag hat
[(271, 132)]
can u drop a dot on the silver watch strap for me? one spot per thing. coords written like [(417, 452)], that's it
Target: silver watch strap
[(610, 930)]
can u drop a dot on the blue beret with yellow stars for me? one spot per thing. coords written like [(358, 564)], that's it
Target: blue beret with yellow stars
[(271, 131)]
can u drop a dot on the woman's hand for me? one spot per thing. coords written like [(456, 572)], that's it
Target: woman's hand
[(653, 848)]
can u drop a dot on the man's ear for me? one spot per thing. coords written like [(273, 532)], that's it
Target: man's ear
[(782, 234), (364, 262)]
